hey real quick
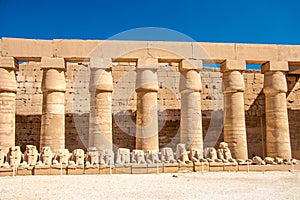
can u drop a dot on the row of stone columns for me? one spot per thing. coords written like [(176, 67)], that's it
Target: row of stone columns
[(101, 87)]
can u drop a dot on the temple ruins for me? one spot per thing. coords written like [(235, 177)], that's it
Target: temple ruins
[(90, 106)]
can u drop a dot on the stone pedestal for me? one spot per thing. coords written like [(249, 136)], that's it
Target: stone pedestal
[(8, 89), (201, 167), (7, 172), (190, 113), (155, 168), (147, 117), (42, 170), (101, 87), (53, 111), (170, 167), (277, 126), (78, 170), (234, 122), (58, 170), (122, 169), (91, 170), (25, 171), (139, 169)]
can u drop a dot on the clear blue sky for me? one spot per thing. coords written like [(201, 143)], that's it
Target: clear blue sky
[(254, 21)]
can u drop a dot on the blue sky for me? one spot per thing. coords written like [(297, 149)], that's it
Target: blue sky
[(241, 21)]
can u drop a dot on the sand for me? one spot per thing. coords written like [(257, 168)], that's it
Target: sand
[(221, 185)]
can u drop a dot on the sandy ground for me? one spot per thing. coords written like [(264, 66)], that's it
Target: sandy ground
[(221, 185)]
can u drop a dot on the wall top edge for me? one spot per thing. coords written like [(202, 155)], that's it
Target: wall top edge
[(148, 41)]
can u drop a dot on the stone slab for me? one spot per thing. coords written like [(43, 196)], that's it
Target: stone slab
[(42, 170), (139, 169), (170, 168), (53, 63), (57, 171), (92, 170), (6, 172), (105, 170), (154, 168), (230, 168), (123, 169), (75, 171), (185, 167), (25, 171), (198, 167), (216, 167)]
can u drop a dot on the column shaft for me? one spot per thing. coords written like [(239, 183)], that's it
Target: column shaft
[(147, 117), (53, 120), (53, 110), (234, 122), (190, 113), (277, 126), (101, 87), (8, 89), (147, 121)]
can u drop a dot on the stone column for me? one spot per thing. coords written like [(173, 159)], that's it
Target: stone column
[(190, 113), (277, 125), (8, 89), (53, 111), (101, 87), (147, 118), (234, 118)]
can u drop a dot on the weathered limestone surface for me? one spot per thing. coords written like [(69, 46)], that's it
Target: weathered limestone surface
[(53, 116), (147, 119), (234, 122), (277, 126), (8, 89)]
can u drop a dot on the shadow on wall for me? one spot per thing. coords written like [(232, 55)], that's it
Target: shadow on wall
[(293, 104), (124, 129), (294, 117), (76, 131), (256, 127), (28, 129)]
